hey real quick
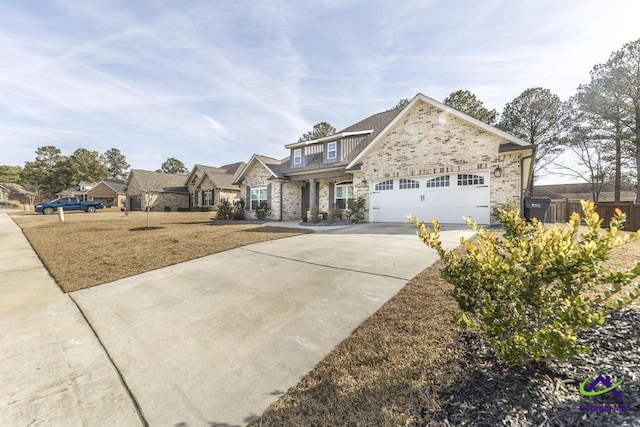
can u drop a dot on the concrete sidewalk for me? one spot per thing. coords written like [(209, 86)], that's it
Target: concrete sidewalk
[(53, 370)]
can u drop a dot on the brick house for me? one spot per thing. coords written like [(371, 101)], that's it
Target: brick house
[(155, 189), (426, 159), (207, 185), (110, 193)]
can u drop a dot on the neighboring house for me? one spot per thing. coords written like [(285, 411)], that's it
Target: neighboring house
[(156, 190), (207, 185), (425, 159), (10, 191), (110, 193)]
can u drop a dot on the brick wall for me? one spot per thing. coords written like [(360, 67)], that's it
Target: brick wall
[(292, 201), (256, 176)]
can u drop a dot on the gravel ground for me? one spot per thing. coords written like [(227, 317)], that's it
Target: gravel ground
[(547, 394)]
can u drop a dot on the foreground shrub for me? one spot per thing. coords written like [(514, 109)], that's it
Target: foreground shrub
[(314, 215), (238, 209), (333, 215), (225, 209), (357, 208), (262, 210), (530, 292)]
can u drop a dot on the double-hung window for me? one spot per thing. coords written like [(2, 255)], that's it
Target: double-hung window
[(258, 194), (297, 156), (344, 192), (208, 198), (332, 150)]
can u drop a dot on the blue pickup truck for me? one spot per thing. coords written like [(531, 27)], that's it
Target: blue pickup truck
[(68, 204)]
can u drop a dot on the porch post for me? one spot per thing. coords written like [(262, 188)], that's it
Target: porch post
[(312, 193)]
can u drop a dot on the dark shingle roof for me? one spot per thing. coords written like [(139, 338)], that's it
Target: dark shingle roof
[(375, 123), (158, 181)]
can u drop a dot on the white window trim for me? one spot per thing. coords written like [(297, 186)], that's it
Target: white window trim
[(297, 156), (330, 150), (258, 199), (345, 184)]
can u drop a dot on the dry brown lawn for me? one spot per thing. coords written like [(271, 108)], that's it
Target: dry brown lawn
[(395, 367), (91, 249)]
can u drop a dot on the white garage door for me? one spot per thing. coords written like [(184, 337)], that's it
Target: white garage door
[(448, 198)]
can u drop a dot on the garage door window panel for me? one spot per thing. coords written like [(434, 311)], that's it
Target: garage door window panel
[(470, 179), (343, 193), (441, 181), (406, 184), (384, 185)]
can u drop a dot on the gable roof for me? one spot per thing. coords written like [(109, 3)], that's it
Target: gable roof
[(222, 177), (157, 181), (116, 186), (273, 166), (400, 113)]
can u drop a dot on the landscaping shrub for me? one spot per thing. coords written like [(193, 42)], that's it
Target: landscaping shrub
[(167, 208), (183, 209), (205, 209), (225, 209), (262, 211), (314, 215), (357, 208), (531, 291), (333, 215), (238, 209)]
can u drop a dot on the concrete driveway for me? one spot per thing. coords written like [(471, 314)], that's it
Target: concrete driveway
[(217, 339)]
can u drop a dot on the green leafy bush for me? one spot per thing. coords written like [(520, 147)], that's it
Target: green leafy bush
[(262, 210), (529, 292), (183, 209), (333, 215), (357, 208), (238, 209), (314, 215), (225, 209), (167, 208)]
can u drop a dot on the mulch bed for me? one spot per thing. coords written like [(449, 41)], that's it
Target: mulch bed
[(547, 394)]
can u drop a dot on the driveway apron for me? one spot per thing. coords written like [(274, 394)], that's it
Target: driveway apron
[(217, 339)]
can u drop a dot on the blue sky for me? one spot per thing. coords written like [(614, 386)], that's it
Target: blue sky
[(213, 82)]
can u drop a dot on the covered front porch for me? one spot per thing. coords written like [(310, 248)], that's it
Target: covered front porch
[(327, 193)]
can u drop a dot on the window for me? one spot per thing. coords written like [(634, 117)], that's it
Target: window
[(441, 181), (469, 179), (344, 192), (332, 150), (258, 194), (385, 185), (408, 183), (207, 198), (297, 156)]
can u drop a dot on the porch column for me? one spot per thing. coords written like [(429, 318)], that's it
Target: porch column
[(312, 193)]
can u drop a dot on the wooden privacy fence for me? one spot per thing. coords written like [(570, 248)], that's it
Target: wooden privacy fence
[(606, 210)]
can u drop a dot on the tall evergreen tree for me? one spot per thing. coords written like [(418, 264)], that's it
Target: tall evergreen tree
[(87, 166), (320, 130), (539, 117), (467, 102), (116, 164), (623, 67), (173, 165)]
